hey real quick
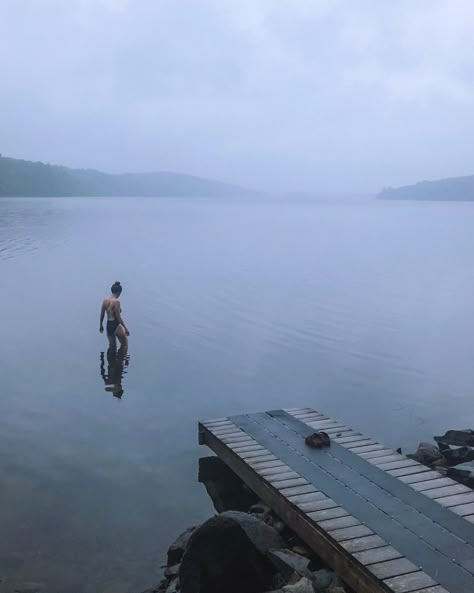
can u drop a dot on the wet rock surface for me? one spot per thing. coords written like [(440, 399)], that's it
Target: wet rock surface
[(451, 455), (458, 455), (459, 438), (426, 454)]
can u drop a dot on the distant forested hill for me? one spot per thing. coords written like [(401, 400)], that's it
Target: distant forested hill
[(453, 189), (25, 178)]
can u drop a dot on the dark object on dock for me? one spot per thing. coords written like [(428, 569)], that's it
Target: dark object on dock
[(383, 522), (318, 440)]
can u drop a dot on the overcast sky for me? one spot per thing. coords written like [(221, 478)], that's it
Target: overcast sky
[(343, 95)]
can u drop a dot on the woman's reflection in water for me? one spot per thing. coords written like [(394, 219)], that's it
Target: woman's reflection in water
[(117, 361)]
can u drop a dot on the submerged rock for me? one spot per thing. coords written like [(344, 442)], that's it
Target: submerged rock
[(460, 438), (228, 553), (225, 488), (426, 454)]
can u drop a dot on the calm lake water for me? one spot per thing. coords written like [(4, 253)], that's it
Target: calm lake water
[(361, 309)]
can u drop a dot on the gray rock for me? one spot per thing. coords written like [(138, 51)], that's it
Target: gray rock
[(457, 455), (176, 550), (264, 537), (324, 580), (463, 473), (228, 553), (287, 562), (426, 454), (301, 550), (460, 438), (441, 466)]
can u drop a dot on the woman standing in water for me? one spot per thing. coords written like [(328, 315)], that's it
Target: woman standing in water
[(116, 327)]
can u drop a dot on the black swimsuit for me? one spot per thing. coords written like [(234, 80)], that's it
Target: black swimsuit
[(112, 327)]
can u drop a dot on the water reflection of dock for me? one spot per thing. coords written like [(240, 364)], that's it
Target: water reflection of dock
[(117, 363), (383, 522)]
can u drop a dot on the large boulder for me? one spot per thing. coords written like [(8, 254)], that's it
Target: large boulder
[(426, 454), (228, 553), (463, 473), (459, 438)]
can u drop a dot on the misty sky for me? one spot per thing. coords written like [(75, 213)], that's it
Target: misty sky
[(338, 95)]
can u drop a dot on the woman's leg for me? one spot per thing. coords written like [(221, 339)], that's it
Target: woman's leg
[(112, 342), (122, 337)]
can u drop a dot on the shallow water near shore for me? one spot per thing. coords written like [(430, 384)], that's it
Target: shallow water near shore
[(360, 308)]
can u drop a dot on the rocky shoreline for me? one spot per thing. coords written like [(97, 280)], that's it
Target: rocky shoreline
[(246, 548)]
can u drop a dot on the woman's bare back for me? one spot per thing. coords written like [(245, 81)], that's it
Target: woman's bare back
[(111, 304)]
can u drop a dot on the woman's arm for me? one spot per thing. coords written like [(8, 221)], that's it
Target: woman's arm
[(118, 317), (102, 315)]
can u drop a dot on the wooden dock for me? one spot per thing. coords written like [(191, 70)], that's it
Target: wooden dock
[(383, 522)]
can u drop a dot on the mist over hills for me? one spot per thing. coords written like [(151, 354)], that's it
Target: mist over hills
[(20, 178), (451, 189)]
